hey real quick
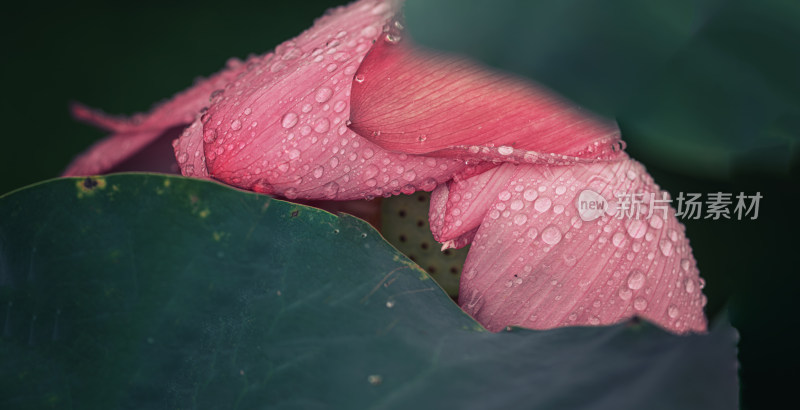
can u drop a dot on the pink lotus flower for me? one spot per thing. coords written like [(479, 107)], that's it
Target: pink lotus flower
[(350, 110)]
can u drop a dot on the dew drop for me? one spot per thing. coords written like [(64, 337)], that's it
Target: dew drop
[(673, 311), (494, 214), (666, 247), (551, 235), (318, 171), (290, 193), (322, 125), (542, 204), (516, 205), (685, 264), (505, 150), (370, 171), (504, 195), (236, 125), (656, 222), (520, 219), (640, 304), (323, 94), (673, 235), (530, 195), (636, 279), (209, 136), (293, 154), (618, 239), (330, 189), (689, 285), (560, 190), (339, 106), (637, 229), (594, 320), (625, 293), (289, 120)]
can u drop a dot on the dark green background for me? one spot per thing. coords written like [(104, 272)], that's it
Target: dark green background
[(126, 57)]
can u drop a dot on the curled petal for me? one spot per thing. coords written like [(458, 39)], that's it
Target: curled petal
[(409, 100), (458, 207), (132, 135), (548, 258), (280, 128)]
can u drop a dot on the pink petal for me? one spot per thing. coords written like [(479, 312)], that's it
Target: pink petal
[(132, 135), (458, 207), (536, 263), (408, 100), (281, 127)]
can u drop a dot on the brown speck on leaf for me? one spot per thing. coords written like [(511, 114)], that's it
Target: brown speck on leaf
[(89, 183)]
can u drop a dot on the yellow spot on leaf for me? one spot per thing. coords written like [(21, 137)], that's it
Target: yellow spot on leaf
[(89, 185)]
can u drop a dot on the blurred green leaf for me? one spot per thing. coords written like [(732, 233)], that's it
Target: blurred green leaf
[(698, 87), (145, 291)]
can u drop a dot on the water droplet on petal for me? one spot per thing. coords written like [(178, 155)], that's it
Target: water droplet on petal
[(339, 106), (640, 304), (625, 293), (673, 311), (293, 154), (551, 235), (637, 229), (236, 125), (530, 195), (330, 189), (542, 204), (520, 219), (289, 120), (689, 284), (323, 94), (318, 171), (656, 222), (322, 125), (504, 196), (666, 247), (505, 150), (636, 279), (370, 171), (290, 193), (209, 136), (685, 264), (516, 205)]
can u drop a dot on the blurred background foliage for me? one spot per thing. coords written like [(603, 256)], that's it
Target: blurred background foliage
[(706, 93)]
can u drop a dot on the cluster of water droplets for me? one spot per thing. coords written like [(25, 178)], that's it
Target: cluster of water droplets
[(637, 275)]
